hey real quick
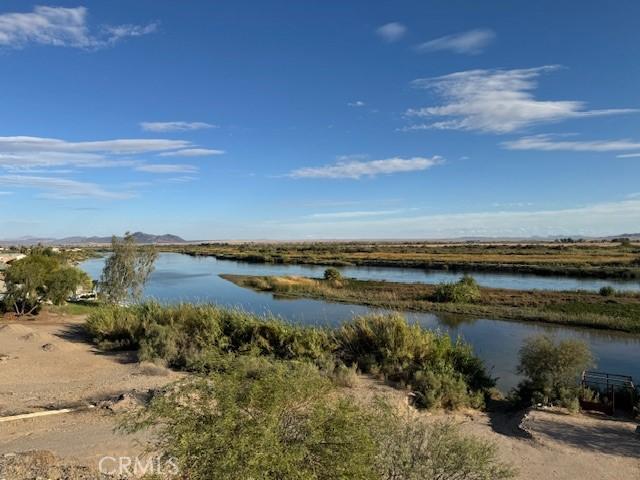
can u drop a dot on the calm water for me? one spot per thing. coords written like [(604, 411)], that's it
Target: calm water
[(195, 279)]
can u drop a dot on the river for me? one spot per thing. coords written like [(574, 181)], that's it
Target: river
[(182, 278)]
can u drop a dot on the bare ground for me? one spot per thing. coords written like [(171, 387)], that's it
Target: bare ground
[(48, 363)]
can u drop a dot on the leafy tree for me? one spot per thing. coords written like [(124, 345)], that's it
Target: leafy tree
[(126, 270), (552, 370), (41, 276)]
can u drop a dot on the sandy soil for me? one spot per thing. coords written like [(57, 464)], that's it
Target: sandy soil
[(48, 363)]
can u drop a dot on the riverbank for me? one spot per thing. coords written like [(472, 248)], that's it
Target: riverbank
[(620, 311), (542, 444), (579, 260)]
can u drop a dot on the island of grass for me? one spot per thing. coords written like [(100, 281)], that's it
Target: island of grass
[(572, 259), (603, 310)]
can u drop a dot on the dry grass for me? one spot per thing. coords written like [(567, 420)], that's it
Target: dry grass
[(576, 259)]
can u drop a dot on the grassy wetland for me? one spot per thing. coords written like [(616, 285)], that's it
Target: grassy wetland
[(619, 260), (604, 310)]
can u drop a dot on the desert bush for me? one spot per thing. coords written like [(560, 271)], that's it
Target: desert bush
[(266, 420), (442, 373), (344, 376), (607, 291), (411, 449), (193, 337), (332, 274), (465, 290), (552, 370), (198, 337)]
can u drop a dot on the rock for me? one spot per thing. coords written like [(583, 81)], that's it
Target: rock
[(47, 347)]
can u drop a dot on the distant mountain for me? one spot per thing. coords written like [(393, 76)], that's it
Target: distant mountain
[(140, 237)]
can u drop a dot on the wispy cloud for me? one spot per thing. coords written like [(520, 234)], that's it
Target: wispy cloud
[(20, 153), (356, 169), (551, 143), (391, 32), (167, 168), (192, 152), (62, 188), (357, 103), (62, 27), (6, 193), (495, 101), (628, 155), (174, 126), (181, 179), (471, 42)]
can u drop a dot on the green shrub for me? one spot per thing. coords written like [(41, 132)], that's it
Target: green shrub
[(198, 337), (332, 274), (192, 337), (266, 420), (552, 370), (607, 291), (411, 449), (442, 373), (465, 290)]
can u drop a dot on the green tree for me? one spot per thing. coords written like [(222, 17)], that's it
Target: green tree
[(126, 270), (41, 276), (552, 370)]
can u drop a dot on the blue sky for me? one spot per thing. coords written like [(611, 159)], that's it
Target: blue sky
[(315, 119)]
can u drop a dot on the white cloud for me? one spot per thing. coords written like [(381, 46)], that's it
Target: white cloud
[(62, 27), (471, 42), (495, 101), (181, 179), (18, 153), (607, 218), (62, 188), (356, 169), (357, 103), (192, 152), (549, 143), (174, 126), (6, 193), (628, 155), (167, 168), (118, 146), (392, 32)]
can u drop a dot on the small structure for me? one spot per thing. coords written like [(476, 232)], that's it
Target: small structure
[(608, 392)]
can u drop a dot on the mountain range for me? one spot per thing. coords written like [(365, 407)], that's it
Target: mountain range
[(140, 237)]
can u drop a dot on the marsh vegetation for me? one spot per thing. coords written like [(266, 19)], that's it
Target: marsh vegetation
[(576, 259), (618, 311)]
